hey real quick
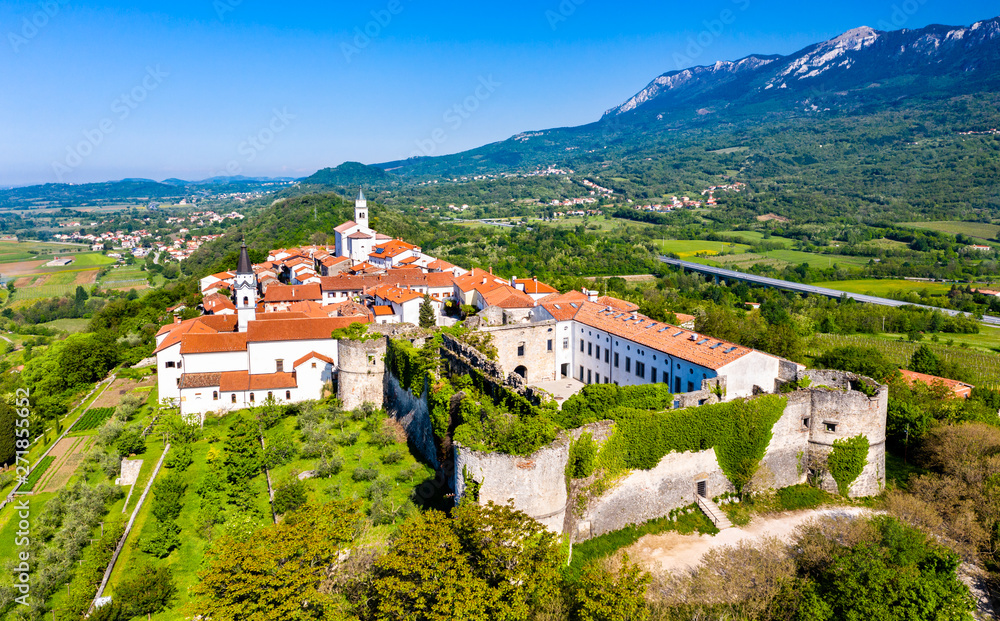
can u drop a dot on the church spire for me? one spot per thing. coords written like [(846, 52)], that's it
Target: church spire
[(244, 266), (361, 194)]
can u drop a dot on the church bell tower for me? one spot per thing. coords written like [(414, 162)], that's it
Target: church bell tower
[(361, 210), (245, 290)]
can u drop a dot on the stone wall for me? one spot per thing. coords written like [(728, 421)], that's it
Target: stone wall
[(411, 412), (539, 353), (462, 359), (537, 486), (361, 372)]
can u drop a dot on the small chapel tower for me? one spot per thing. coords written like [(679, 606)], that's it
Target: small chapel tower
[(361, 210), (245, 290)]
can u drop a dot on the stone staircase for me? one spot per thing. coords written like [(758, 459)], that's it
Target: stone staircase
[(714, 513)]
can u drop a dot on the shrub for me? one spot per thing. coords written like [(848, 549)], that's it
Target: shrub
[(327, 468), (349, 438), (394, 456), (801, 497), (180, 458), (131, 442), (290, 494), (847, 460), (279, 452), (739, 431), (380, 487), (362, 473)]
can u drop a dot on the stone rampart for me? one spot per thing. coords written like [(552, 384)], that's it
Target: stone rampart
[(800, 442), (361, 372)]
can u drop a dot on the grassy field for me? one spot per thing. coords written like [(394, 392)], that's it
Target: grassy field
[(884, 287), (757, 236), (777, 259), (972, 229), (688, 248), (70, 326)]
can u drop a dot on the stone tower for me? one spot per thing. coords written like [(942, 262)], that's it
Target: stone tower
[(245, 290), (361, 372), (361, 210)]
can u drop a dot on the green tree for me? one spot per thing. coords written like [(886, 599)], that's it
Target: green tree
[(243, 452), (425, 576), (146, 591), (289, 494), (866, 361), (427, 315), (612, 594), (924, 360), (275, 573)]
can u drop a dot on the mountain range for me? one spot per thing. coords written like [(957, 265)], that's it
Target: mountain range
[(873, 116)]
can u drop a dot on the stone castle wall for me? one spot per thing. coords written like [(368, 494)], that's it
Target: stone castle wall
[(537, 484), (539, 353), (361, 372)]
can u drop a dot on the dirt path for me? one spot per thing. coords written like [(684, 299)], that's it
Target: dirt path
[(675, 552)]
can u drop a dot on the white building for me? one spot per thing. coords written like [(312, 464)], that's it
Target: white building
[(605, 343)]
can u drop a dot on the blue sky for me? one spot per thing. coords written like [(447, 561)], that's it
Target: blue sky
[(92, 91)]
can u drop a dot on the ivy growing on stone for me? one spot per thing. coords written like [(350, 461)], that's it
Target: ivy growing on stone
[(739, 432), (847, 460)]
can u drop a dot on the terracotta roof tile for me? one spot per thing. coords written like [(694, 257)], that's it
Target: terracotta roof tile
[(960, 389), (298, 329), (309, 357), (293, 293), (533, 286), (213, 343), (199, 380), (347, 226)]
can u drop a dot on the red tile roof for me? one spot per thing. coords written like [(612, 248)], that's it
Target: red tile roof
[(213, 343), (347, 226), (359, 235), (293, 293), (617, 304), (476, 278), (298, 329), (396, 294), (959, 389), (199, 380), (391, 249), (242, 381), (208, 324), (383, 311), (309, 357), (506, 296), (532, 285), (217, 302)]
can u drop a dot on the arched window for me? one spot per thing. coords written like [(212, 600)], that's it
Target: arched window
[(234, 397), (215, 395), (251, 398), (270, 395), (246, 301), (288, 395)]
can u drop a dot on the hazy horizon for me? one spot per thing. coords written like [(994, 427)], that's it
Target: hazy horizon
[(202, 89)]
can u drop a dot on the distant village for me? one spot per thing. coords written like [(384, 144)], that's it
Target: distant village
[(134, 242)]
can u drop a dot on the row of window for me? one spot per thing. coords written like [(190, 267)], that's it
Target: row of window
[(270, 395)]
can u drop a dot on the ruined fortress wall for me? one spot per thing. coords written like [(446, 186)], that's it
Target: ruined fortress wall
[(537, 484), (361, 372), (411, 412), (462, 359)]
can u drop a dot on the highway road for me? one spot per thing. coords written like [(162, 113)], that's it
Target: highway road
[(725, 274)]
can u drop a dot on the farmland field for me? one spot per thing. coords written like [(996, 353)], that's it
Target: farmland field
[(92, 419), (981, 366), (687, 248), (777, 259), (757, 236), (71, 326), (972, 229), (885, 287), (36, 473)]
